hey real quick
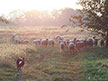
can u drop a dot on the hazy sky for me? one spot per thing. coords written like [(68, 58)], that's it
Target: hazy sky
[(8, 5)]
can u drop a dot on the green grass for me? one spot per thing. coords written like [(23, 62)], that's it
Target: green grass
[(47, 63), (94, 64)]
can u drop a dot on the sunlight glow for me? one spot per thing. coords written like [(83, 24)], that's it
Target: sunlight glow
[(8, 5)]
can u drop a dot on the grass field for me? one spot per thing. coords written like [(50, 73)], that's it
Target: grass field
[(48, 64)]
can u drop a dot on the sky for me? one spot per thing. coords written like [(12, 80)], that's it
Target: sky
[(7, 6)]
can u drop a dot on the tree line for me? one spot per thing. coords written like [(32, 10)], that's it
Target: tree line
[(41, 18)]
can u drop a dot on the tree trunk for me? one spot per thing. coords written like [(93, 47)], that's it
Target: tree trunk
[(107, 40)]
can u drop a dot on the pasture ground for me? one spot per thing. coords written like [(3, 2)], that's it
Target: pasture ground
[(48, 64)]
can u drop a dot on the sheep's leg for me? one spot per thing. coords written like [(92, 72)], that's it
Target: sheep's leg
[(62, 50), (52, 45), (71, 51), (77, 49)]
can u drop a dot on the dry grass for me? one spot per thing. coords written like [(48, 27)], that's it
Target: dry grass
[(42, 64), (44, 32)]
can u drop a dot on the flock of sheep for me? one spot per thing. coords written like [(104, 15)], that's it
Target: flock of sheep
[(72, 45)]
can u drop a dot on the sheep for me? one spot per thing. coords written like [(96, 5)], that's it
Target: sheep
[(25, 41), (62, 46), (102, 43), (79, 45), (71, 47), (44, 42), (60, 41), (51, 42), (66, 40), (85, 43), (71, 40), (74, 40), (67, 43), (62, 37), (95, 41), (37, 42), (90, 42), (20, 41), (58, 37), (17, 39)]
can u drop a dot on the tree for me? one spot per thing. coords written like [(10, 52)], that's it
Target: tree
[(94, 16), (16, 15), (4, 20)]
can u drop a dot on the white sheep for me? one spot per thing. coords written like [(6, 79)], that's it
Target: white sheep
[(44, 42), (58, 37), (37, 42), (25, 41), (71, 47), (51, 42), (101, 43), (17, 39), (62, 47)]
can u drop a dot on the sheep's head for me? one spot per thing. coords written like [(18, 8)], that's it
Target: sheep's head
[(94, 37)]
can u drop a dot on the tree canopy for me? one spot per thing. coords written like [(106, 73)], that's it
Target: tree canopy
[(94, 16), (4, 20), (41, 18)]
